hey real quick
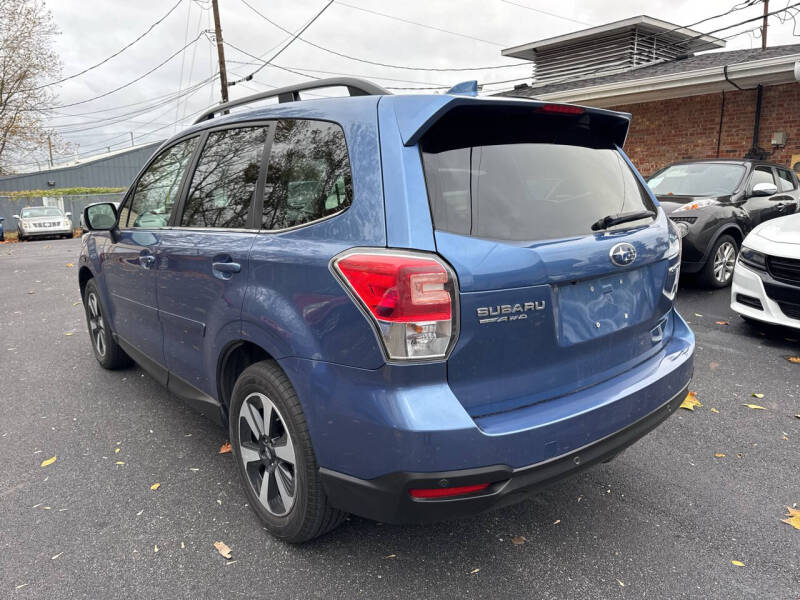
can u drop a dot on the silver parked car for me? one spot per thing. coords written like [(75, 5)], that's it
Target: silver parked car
[(43, 221)]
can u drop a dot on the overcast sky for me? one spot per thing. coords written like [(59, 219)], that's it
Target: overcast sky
[(91, 30)]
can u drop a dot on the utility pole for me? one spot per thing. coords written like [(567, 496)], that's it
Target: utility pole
[(223, 76), (50, 149), (763, 27)]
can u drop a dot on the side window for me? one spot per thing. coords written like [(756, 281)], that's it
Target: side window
[(308, 176), (761, 175), (224, 183), (785, 180), (158, 188)]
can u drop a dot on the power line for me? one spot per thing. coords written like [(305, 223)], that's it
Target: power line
[(544, 12), (278, 53), (117, 53), (400, 19), (297, 70), (161, 64), (376, 63)]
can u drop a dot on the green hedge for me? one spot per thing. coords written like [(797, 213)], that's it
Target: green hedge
[(77, 191)]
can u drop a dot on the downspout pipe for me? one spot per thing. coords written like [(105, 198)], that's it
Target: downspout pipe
[(755, 151)]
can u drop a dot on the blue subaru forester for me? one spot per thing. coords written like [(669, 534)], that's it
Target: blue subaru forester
[(408, 307)]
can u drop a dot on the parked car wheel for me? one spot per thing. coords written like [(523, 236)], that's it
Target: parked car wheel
[(107, 352), (718, 270), (20, 237), (274, 456)]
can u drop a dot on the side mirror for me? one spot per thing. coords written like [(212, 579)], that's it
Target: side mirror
[(764, 189), (16, 217), (100, 217)]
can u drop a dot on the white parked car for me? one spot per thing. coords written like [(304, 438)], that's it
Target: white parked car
[(43, 221), (766, 281)]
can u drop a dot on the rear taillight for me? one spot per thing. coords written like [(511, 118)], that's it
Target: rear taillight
[(447, 492), (410, 297)]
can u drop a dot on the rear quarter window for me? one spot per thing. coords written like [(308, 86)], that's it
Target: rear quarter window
[(308, 174)]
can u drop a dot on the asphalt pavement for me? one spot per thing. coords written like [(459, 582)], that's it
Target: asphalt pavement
[(664, 520)]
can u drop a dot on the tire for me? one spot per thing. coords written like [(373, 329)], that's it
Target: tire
[(107, 352), (718, 270), (293, 505), (20, 237)]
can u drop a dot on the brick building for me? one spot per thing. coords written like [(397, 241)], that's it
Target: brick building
[(685, 105)]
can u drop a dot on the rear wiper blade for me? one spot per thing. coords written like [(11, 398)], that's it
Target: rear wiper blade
[(612, 220)]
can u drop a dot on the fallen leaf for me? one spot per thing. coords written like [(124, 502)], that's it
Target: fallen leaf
[(794, 518), (225, 448), (474, 571), (690, 401), (739, 455), (518, 540), (719, 455), (794, 359), (391, 556), (754, 406), (155, 548), (22, 585), (697, 315), (714, 410), (557, 521), (757, 395), (182, 546), (713, 365), (737, 563), (31, 292), (620, 583), (223, 549), (48, 462), (69, 333), (722, 323), (75, 303), (56, 556), (116, 450), (70, 265), (155, 486), (120, 462)]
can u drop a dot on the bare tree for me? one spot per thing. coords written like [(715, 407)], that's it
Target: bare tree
[(27, 63)]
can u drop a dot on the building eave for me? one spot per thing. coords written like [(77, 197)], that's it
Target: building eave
[(768, 71)]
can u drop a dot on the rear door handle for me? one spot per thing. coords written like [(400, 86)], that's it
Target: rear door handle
[(224, 270)]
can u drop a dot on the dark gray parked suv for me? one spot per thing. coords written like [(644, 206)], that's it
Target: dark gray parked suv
[(715, 203)]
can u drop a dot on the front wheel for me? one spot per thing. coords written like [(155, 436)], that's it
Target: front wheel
[(718, 270), (274, 456)]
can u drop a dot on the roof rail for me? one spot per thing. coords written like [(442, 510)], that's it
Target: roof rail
[(291, 93)]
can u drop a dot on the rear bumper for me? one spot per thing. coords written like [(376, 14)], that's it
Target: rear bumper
[(375, 432), (387, 499)]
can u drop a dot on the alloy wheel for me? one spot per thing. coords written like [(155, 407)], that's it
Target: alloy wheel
[(268, 454), (97, 327), (724, 262)]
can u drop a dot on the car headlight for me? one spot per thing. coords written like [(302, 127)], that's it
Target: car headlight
[(683, 228), (753, 258), (696, 204)]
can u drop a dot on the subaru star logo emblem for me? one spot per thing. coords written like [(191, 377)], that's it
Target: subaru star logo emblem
[(622, 254)]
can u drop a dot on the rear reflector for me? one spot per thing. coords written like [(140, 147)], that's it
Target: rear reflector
[(446, 492), (409, 296), (560, 109)]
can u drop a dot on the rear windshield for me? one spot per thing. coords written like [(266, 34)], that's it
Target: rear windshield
[(698, 179), (530, 191)]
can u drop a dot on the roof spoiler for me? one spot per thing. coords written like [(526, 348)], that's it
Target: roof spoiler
[(417, 114)]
